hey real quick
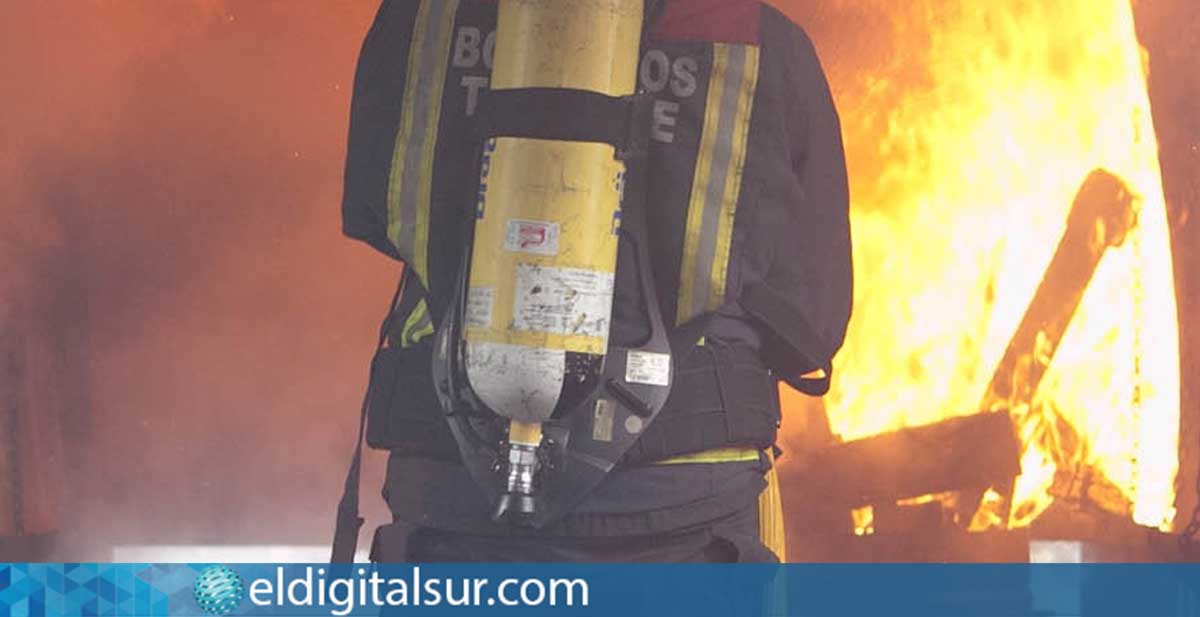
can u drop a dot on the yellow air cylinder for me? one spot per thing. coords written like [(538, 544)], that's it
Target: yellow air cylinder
[(545, 248)]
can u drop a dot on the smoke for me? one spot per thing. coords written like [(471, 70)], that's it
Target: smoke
[(172, 176)]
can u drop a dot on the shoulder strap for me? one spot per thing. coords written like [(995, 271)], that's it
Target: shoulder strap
[(565, 114), (345, 534), (568, 114)]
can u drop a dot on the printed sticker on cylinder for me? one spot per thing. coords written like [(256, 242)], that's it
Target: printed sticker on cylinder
[(569, 301), (479, 307), (536, 237)]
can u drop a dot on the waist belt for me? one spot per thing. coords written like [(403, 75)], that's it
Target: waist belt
[(723, 407), (722, 396)]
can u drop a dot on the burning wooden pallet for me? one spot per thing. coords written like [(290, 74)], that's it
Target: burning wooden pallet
[(969, 455)]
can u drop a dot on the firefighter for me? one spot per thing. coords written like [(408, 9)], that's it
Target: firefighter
[(747, 225)]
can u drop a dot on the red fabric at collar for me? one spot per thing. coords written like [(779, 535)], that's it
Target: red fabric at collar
[(718, 21)]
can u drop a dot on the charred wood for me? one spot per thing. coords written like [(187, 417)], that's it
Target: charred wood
[(971, 451), (1100, 217)]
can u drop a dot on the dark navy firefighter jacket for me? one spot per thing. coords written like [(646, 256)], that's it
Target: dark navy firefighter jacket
[(747, 206)]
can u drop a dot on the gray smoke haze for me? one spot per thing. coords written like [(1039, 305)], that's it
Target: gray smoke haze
[(172, 173), (172, 176)]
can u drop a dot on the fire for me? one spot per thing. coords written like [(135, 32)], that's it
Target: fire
[(967, 145)]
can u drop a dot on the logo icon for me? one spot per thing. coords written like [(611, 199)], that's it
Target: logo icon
[(219, 590), (531, 236)]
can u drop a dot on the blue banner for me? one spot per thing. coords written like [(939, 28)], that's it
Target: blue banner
[(1042, 590)]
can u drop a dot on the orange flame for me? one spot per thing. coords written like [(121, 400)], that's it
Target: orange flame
[(966, 149)]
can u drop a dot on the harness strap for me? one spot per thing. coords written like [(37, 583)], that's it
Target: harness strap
[(349, 522), (566, 114)]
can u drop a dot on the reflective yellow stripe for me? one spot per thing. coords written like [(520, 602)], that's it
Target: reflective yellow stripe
[(716, 184), (716, 455), (427, 153), (770, 514), (410, 179), (396, 205), (418, 325), (771, 527), (697, 203)]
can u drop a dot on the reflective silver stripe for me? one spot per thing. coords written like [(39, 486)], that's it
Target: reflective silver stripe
[(718, 175), (412, 165), (717, 181)]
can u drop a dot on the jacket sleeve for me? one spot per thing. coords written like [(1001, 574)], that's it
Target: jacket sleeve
[(374, 122), (805, 301)]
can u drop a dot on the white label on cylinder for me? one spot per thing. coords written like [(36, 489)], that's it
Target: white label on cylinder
[(516, 382), (568, 301), (536, 237), (648, 368), (479, 306)]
